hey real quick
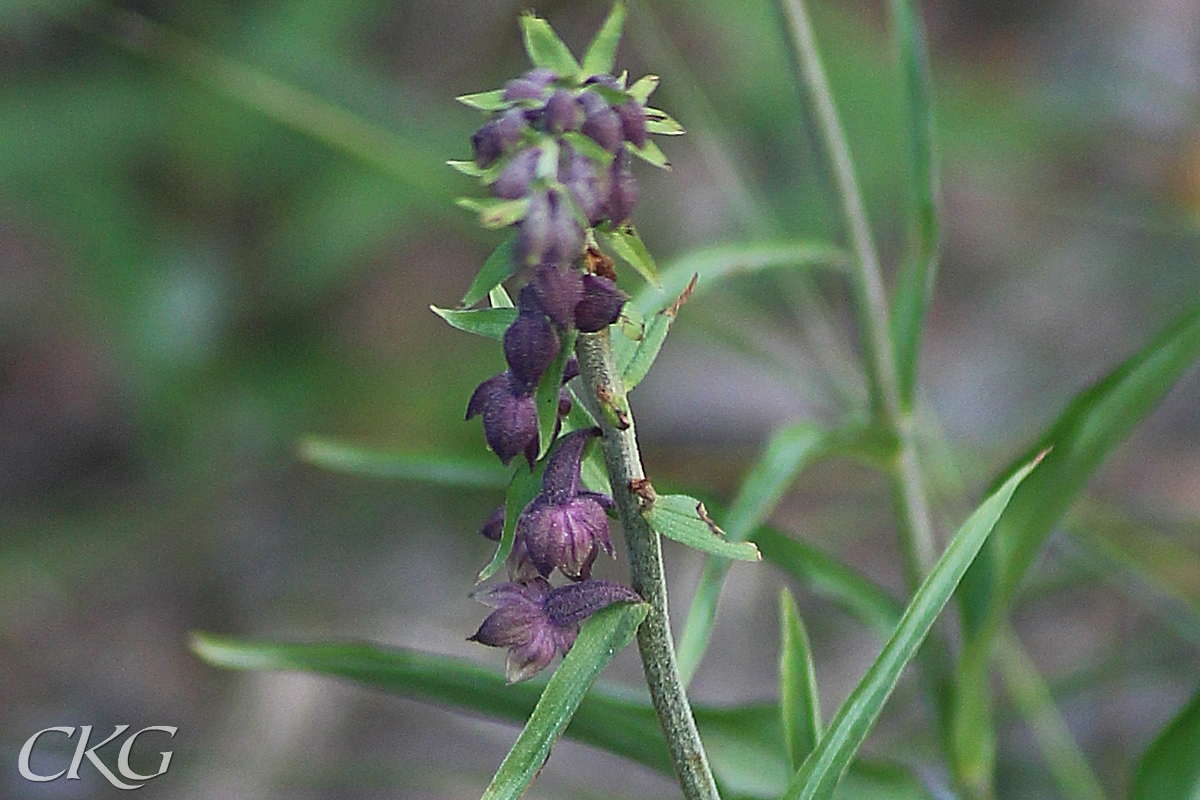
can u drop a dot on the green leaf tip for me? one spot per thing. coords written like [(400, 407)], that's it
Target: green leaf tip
[(685, 520), (544, 47), (601, 55)]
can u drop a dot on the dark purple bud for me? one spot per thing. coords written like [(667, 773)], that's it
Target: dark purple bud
[(580, 178), (601, 304), (633, 122), (510, 422), (566, 535), (566, 232), (623, 192), (603, 125), (533, 232), (486, 143), (562, 113), (510, 128), (575, 602), (493, 529), (530, 86), (536, 622), (513, 181), (531, 342), (560, 481), (559, 289)]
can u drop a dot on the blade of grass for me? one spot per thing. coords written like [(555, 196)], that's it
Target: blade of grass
[(439, 470), (823, 769), (799, 703)]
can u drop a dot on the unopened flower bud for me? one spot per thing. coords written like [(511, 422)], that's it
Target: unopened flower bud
[(510, 422), (579, 176), (623, 191), (559, 289), (633, 122), (601, 304), (531, 342), (513, 181), (600, 122), (562, 113), (530, 86)]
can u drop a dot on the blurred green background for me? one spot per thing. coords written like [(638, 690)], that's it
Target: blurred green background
[(221, 227)]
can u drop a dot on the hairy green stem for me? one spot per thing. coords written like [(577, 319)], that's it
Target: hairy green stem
[(624, 464)]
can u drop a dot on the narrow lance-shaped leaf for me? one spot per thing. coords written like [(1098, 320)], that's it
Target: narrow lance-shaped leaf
[(1095, 422), (643, 87), (601, 54), (788, 451), (715, 264), (914, 285), (488, 322), (495, 212), (544, 47), (522, 488), (823, 769), (491, 100), (659, 121), (500, 266), (548, 390), (641, 358), (651, 153), (1170, 769), (799, 703), (625, 242), (604, 635), (439, 470), (685, 520)]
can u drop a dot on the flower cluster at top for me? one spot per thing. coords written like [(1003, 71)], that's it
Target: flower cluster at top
[(555, 154)]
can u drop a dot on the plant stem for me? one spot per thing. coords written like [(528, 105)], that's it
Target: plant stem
[(624, 464), (871, 305)]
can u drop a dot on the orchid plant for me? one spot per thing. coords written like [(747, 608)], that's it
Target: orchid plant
[(558, 154)]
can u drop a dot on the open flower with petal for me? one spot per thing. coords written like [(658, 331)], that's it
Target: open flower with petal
[(536, 622)]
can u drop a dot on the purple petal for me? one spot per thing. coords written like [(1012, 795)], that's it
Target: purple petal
[(562, 113), (571, 604), (486, 394), (560, 481), (530, 658)]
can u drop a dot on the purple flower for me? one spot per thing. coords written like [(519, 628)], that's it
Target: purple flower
[(536, 622), (601, 304), (559, 289), (563, 527), (633, 122), (549, 232), (530, 86), (623, 190), (530, 343), (562, 113), (510, 422), (600, 122), (513, 181)]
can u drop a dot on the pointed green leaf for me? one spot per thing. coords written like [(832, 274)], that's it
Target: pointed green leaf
[(604, 635), (914, 285), (823, 769), (799, 704), (489, 322), (650, 153), (643, 87), (438, 470), (500, 266), (601, 54), (468, 168), (524, 485), (660, 122), (634, 362), (544, 47), (485, 101), (685, 520), (788, 452), (625, 242), (498, 297), (716, 264), (589, 147), (548, 391), (495, 212), (1170, 769)]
